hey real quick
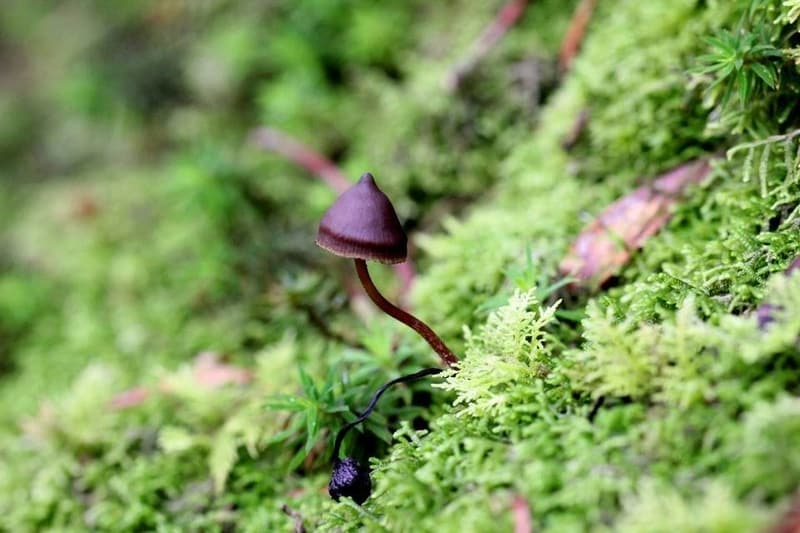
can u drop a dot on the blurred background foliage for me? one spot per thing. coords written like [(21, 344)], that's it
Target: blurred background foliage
[(131, 191)]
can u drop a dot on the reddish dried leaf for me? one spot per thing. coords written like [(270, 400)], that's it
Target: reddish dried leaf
[(790, 521), (130, 398), (84, 207), (606, 244), (296, 492), (523, 521), (210, 372)]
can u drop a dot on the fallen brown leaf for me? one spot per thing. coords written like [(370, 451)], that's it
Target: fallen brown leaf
[(607, 244), (790, 521), (130, 398)]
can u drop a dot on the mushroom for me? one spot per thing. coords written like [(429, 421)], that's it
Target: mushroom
[(363, 225), (349, 478)]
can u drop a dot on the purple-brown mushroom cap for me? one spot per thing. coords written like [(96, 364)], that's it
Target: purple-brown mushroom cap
[(362, 224)]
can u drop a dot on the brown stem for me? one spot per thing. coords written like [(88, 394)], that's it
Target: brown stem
[(409, 320), (296, 516), (276, 141)]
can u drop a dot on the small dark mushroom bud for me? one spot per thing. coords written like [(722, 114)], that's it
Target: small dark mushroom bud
[(363, 225), (349, 479)]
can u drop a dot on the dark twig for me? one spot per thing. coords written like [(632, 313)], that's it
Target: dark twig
[(280, 143), (574, 35), (508, 15), (576, 130), (598, 403), (296, 516)]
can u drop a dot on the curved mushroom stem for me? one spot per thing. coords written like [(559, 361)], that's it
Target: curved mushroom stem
[(438, 345), (374, 401)]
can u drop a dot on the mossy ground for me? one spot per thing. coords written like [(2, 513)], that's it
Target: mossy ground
[(140, 229)]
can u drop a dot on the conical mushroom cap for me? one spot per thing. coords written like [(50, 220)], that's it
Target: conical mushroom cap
[(362, 224)]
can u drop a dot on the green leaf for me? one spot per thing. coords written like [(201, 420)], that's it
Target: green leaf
[(543, 292), (573, 315), (380, 431), (724, 72), (297, 458), (250, 437), (766, 74), (743, 82), (308, 384), (280, 436), (363, 374), (378, 340), (491, 303), (766, 50), (286, 402), (726, 94), (333, 409), (222, 458), (312, 426), (724, 43)]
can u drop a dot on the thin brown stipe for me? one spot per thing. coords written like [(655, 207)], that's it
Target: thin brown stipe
[(438, 345)]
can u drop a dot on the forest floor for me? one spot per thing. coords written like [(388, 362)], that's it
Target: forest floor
[(602, 201)]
